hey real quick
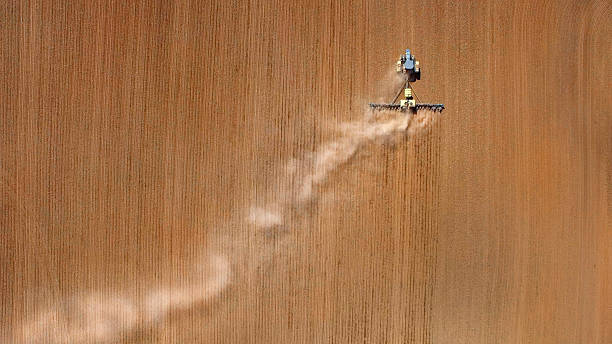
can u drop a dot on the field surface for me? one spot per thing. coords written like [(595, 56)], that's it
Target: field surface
[(207, 172)]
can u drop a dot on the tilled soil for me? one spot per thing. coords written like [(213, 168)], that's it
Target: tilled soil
[(183, 172)]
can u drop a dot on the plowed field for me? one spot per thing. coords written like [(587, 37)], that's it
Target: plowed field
[(208, 172)]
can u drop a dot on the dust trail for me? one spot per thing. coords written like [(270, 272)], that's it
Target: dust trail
[(300, 184), (161, 302), (111, 317), (108, 318)]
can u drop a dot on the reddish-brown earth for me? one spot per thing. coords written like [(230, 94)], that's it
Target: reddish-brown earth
[(153, 155)]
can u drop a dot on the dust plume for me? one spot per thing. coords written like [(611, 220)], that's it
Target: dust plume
[(106, 318), (300, 185)]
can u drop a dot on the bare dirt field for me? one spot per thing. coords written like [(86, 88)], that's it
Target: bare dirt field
[(207, 172)]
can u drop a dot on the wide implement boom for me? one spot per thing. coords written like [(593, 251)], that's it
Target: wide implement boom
[(398, 107)]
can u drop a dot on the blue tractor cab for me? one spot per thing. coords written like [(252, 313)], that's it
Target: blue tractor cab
[(409, 66)]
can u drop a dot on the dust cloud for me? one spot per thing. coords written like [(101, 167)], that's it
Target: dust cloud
[(106, 318), (303, 178)]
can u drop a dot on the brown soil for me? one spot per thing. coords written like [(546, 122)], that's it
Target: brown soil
[(135, 137)]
